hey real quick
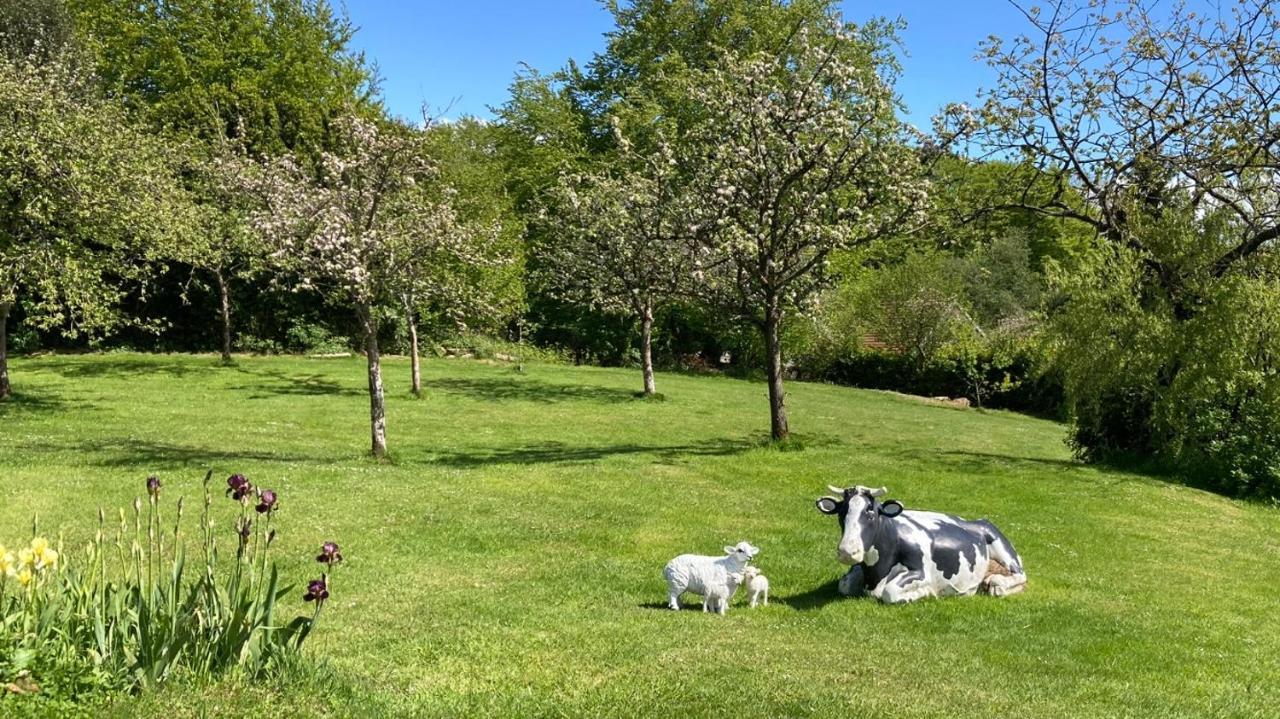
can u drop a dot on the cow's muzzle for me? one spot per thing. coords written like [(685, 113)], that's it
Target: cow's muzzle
[(849, 557)]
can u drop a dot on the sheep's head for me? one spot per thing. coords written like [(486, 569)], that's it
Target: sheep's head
[(750, 573), (742, 552)]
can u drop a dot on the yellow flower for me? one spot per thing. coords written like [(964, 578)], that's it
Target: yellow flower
[(43, 556), (24, 577), (6, 562), (47, 559), (26, 558)]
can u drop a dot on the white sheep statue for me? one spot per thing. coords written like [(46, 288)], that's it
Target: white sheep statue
[(695, 573), (718, 593), (757, 586)]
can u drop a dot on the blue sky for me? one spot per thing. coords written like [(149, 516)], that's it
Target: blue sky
[(465, 52)]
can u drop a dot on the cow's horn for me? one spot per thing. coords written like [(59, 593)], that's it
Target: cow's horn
[(878, 491), (838, 491)]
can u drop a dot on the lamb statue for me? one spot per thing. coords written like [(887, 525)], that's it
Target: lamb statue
[(697, 573)]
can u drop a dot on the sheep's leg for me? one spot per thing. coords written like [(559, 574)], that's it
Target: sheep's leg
[(766, 596), (673, 595), (724, 606), (754, 596)]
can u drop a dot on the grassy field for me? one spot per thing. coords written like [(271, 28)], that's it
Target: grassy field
[(507, 561)]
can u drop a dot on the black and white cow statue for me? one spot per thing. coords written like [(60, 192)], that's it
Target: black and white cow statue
[(901, 555)]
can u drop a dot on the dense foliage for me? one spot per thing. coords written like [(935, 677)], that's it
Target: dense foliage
[(727, 185)]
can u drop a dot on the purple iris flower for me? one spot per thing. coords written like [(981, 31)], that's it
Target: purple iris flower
[(317, 591), (266, 501), (153, 485), (238, 487), (329, 554)]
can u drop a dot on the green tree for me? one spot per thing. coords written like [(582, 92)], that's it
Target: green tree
[(1163, 123), (86, 199), (803, 155), (255, 77)]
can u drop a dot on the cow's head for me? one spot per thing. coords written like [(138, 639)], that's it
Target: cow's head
[(861, 513)]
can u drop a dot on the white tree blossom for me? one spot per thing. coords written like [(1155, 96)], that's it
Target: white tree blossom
[(801, 154), (364, 231), (623, 245)]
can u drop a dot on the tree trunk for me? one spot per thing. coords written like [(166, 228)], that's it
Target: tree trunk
[(646, 351), (5, 390), (415, 364), (777, 397), (225, 298), (377, 406)]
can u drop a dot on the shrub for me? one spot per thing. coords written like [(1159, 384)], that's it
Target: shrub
[(315, 339), (988, 379), (257, 345), (486, 347), (125, 614), (1166, 358)]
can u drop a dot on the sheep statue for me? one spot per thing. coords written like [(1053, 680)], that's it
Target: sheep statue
[(718, 593), (696, 573), (757, 586)]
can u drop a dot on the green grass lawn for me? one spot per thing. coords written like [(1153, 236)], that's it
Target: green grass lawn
[(508, 561)]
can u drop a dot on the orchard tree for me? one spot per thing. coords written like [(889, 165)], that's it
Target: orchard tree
[(625, 234), (802, 154), (234, 77), (1163, 120), (86, 200), (223, 243), (363, 231), (1133, 109), (474, 280), (438, 260)]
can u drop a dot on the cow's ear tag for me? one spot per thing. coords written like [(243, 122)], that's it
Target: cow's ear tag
[(826, 505), (891, 508)]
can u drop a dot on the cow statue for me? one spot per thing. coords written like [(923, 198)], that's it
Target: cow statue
[(900, 555)]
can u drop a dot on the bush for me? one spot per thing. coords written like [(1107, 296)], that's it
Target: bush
[(1165, 358), (314, 339), (987, 380), (485, 347), (125, 614), (257, 345)]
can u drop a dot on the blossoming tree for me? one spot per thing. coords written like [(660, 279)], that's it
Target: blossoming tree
[(223, 243), (802, 154), (87, 198), (623, 245), (441, 258), (364, 231)]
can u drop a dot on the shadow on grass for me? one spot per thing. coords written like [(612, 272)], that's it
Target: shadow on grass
[(150, 456), (91, 366), (21, 403), (559, 452), (986, 459), (527, 389), (815, 598), (273, 383)]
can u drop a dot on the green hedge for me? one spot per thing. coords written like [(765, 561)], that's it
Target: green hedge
[(1013, 384)]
